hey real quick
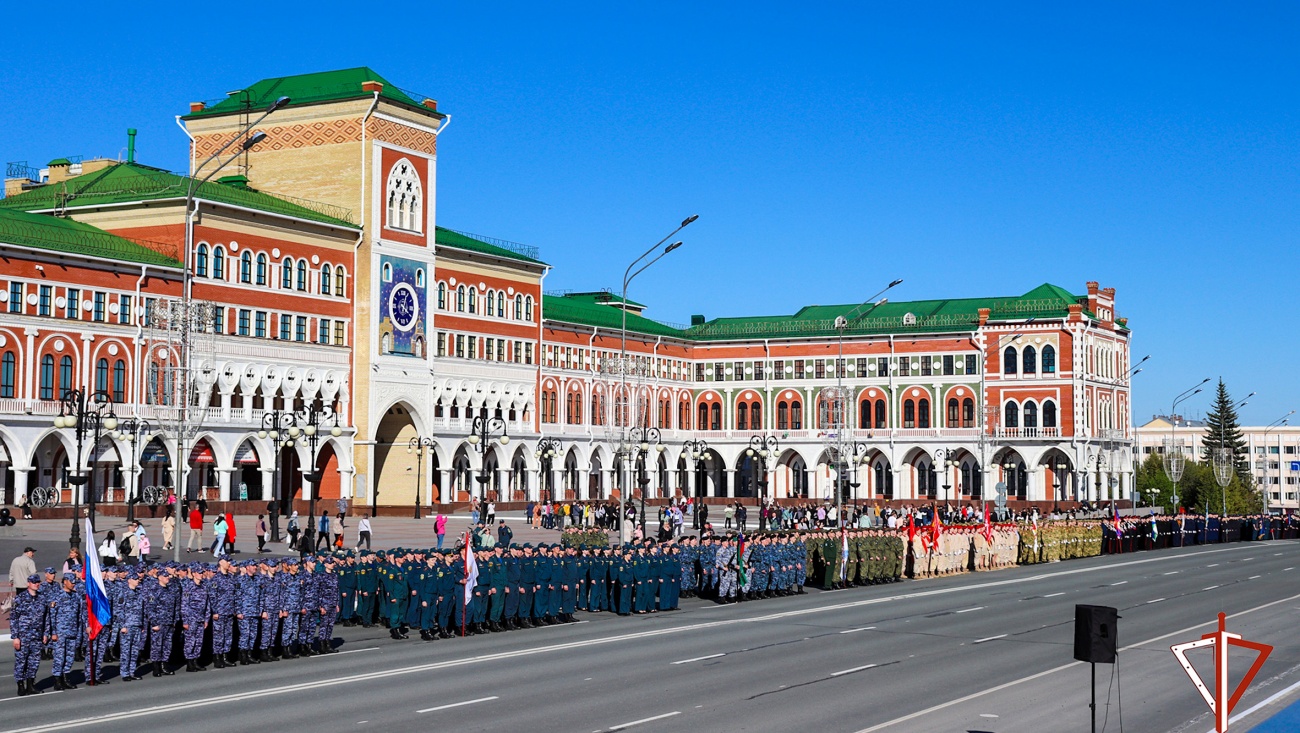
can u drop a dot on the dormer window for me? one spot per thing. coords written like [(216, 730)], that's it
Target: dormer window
[(404, 196), (909, 319)]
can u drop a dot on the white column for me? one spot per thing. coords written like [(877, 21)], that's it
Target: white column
[(268, 483), (21, 477), (223, 483), (731, 483), (444, 485)]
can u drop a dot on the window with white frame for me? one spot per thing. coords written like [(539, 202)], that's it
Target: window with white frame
[(404, 195)]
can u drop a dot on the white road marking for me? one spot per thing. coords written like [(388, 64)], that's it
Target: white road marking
[(1286, 569), (47, 692), (701, 659), (1210, 588), (347, 651), (1254, 576), (1156, 600), (851, 671), (987, 715), (864, 628), (1263, 703), (1053, 595), (968, 610), (189, 706), (1054, 670), (1215, 565), (1173, 573), (1122, 582), (621, 726), (458, 704), (991, 638), (1277, 554)]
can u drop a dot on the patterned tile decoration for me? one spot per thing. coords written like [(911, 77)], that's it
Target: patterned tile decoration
[(399, 134), (326, 132)]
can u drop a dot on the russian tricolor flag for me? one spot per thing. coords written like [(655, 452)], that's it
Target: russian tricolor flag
[(97, 607)]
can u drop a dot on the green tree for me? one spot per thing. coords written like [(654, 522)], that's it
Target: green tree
[(1197, 489), (1223, 431)]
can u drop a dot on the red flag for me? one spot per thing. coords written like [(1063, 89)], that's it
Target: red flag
[(936, 529), (911, 528), (988, 530)]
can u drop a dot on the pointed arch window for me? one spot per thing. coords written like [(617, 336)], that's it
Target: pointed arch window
[(405, 196)]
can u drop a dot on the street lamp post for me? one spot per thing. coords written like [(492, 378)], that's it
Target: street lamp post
[(547, 450), (642, 441), (760, 448), (275, 423), (482, 432), (697, 450), (944, 457), (420, 447), (305, 431), (1263, 462), (85, 414), (133, 430), (1174, 460)]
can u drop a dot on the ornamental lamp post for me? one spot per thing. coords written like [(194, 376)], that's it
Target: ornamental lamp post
[(84, 414), (696, 449), (547, 450), (641, 441), (275, 425), (304, 431), (760, 448), (133, 430), (482, 432), (420, 447)]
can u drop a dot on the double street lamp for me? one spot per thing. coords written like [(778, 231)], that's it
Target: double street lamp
[(302, 428), (641, 442), (698, 450), (944, 457), (547, 450), (275, 427), (132, 430), (86, 415), (760, 448), (421, 447), (482, 432)]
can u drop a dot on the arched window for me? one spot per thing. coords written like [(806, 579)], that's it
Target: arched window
[(703, 423), (1012, 419), (340, 274), (261, 269), (473, 300), (864, 414), (501, 304), (8, 364), (302, 274), (326, 279), (968, 413), (1049, 411), (47, 377), (119, 381), (1009, 361), (65, 376), (782, 415), (286, 273), (1030, 361), (419, 277), (201, 261), (404, 197), (716, 413), (387, 272), (101, 376), (490, 300), (954, 413), (1031, 414), (796, 415), (442, 296), (882, 420), (742, 416), (1049, 361), (218, 263), (246, 267), (923, 413), (909, 414), (519, 307), (528, 308), (460, 298), (755, 416), (684, 416)]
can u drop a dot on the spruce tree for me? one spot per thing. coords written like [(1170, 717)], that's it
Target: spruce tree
[(1222, 431)]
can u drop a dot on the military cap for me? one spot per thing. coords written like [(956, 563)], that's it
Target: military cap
[(49, 571), (33, 578)]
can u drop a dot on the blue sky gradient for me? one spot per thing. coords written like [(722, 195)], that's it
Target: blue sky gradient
[(970, 150)]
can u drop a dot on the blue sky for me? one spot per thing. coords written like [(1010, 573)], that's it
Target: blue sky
[(970, 150)]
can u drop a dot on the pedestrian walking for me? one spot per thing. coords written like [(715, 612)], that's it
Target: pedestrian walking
[(169, 528), (439, 528), (218, 535), (21, 567), (230, 533), (194, 541), (363, 531), (336, 529), (293, 530), (259, 531), (323, 530)]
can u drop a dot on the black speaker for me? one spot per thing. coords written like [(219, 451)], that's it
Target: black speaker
[(1095, 633)]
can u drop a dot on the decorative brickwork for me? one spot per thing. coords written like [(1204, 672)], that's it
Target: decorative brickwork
[(281, 137), (407, 137)]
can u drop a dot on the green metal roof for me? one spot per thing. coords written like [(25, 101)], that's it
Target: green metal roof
[(127, 182), (602, 297), (42, 231), (586, 312), (475, 243), (314, 88)]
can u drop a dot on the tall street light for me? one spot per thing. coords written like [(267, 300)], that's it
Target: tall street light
[(1280, 422), (421, 447), (482, 432), (1174, 464), (85, 414), (628, 276), (698, 450), (642, 442), (547, 450), (275, 426), (760, 448), (132, 430)]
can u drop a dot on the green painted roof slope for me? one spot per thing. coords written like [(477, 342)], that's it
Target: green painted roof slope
[(314, 88), (42, 231), (460, 240), (127, 182), (602, 297), (586, 312)]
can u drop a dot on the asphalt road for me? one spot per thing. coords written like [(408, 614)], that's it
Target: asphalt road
[(987, 652)]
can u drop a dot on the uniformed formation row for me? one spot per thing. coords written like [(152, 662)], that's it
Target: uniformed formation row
[(258, 611)]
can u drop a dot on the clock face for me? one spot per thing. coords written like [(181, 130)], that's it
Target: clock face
[(403, 307)]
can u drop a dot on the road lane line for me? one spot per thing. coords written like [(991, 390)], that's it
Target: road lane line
[(1054, 670), (1156, 600), (1122, 582), (991, 638), (346, 651), (1173, 573), (1254, 576), (47, 692), (192, 704), (1286, 569), (701, 659), (1053, 595), (1210, 588), (851, 671), (458, 704), (968, 610), (864, 628), (621, 726), (1215, 565)]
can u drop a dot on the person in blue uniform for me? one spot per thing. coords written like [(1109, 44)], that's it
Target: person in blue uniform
[(621, 572), (195, 613), (162, 609), (29, 626)]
